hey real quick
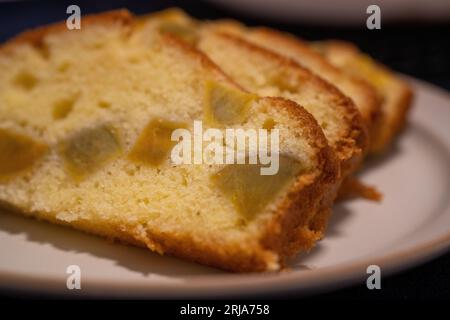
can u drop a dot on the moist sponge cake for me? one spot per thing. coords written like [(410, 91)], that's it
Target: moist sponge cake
[(395, 93), (85, 123)]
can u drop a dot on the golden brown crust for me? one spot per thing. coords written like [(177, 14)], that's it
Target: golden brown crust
[(353, 188), (290, 232), (368, 101), (396, 100), (199, 55), (35, 36), (285, 234)]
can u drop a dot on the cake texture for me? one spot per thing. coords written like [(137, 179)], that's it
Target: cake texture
[(395, 93), (85, 123)]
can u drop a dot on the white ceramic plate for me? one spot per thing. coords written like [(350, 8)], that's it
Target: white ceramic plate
[(410, 226)]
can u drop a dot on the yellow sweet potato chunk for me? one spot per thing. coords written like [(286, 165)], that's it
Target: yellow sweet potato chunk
[(17, 153), (248, 190), (154, 143), (224, 105), (89, 149), (62, 108), (25, 80)]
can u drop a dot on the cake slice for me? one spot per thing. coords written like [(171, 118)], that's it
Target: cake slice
[(265, 72), (396, 93), (86, 120)]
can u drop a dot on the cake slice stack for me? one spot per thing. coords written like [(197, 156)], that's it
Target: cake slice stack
[(265, 72), (124, 129), (86, 123)]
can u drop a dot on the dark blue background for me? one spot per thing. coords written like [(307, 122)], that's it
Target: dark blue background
[(420, 50)]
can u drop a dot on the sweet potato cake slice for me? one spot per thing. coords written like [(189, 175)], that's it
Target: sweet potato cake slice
[(86, 118), (265, 72)]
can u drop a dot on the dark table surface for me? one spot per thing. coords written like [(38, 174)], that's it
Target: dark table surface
[(420, 50)]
